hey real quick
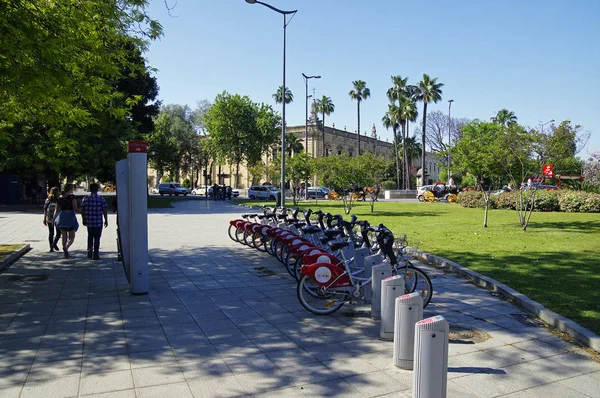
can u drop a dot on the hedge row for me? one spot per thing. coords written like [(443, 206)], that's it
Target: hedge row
[(568, 201)]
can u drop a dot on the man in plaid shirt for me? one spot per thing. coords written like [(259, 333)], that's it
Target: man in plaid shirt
[(93, 207)]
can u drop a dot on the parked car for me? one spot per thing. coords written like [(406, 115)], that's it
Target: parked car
[(423, 189), (154, 190), (235, 193), (317, 192), (199, 191), (172, 188), (262, 192), (541, 186)]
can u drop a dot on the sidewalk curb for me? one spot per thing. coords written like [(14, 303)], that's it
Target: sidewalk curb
[(577, 332), (9, 260)]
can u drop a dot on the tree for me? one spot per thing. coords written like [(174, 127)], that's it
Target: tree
[(372, 169), (408, 113), (437, 130), (60, 59), (360, 93), (289, 97), (298, 170), (505, 118), (560, 147), (293, 144), (412, 150), (428, 90), (326, 107), (477, 153), (240, 130), (392, 119), (591, 169)]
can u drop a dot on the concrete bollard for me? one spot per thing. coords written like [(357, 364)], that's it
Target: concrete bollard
[(409, 310), (391, 288), (430, 376), (370, 261), (380, 272)]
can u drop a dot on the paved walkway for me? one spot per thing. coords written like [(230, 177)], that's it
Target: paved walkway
[(223, 320)]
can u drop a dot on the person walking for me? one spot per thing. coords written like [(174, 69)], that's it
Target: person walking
[(50, 206), (65, 217), (93, 208)]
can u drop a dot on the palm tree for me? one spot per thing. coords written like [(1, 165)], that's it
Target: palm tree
[(408, 113), (326, 107), (293, 144), (428, 90), (505, 117), (413, 150), (392, 119), (359, 93), (289, 97), (399, 88)]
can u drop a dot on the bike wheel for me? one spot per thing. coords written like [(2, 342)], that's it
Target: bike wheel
[(317, 300), (415, 280), (296, 268), (248, 238), (258, 241), (239, 234), (231, 232), (290, 260)]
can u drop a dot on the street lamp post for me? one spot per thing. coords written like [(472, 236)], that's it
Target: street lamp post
[(449, 135), (543, 124), (285, 23), (306, 78)]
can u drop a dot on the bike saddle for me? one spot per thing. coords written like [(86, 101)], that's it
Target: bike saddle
[(330, 233), (337, 245), (311, 229), (299, 224), (281, 216)]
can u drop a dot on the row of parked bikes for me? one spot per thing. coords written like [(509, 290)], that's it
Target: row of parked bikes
[(326, 254)]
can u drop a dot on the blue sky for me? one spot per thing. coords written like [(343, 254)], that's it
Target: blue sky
[(537, 58)]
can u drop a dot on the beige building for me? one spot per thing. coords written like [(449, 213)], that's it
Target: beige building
[(333, 142)]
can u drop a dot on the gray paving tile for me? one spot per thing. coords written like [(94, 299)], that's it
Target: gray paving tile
[(205, 368), (10, 390), (583, 384), (63, 387), (103, 364), (332, 388), (555, 390), (258, 382), (142, 359), (485, 385), (344, 367), (157, 375), (222, 387), (580, 362), (376, 383), (177, 390), (105, 382), (54, 370)]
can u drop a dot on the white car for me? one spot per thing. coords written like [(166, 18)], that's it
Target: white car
[(262, 192), (199, 191)]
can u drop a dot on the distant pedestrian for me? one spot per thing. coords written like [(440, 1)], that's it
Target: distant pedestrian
[(93, 208), (50, 206), (65, 217), (215, 192), (229, 192)]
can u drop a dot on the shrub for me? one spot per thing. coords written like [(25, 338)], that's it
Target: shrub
[(506, 200), (471, 199), (186, 183), (389, 185), (579, 201), (546, 201)]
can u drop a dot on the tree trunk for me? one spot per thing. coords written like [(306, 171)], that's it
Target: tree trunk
[(406, 159), (397, 157), (237, 173), (486, 199), (423, 181), (323, 136), (358, 113)]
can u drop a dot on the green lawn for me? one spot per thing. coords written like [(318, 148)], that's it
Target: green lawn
[(7, 250), (556, 262)]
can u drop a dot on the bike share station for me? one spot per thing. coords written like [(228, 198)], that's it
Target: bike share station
[(132, 215), (420, 344)]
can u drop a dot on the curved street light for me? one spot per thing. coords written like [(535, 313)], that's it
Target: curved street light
[(285, 23)]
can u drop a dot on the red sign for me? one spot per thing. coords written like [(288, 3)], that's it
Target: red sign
[(138, 147), (548, 170)]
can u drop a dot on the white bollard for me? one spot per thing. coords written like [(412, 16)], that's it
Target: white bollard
[(370, 261), (391, 288), (430, 377), (409, 310), (380, 272)]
